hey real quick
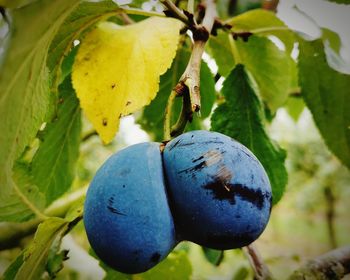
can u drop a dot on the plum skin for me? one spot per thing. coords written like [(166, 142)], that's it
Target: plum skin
[(220, 193), (126, 214)]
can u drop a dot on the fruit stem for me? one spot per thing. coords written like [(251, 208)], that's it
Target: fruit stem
[(261, 270)]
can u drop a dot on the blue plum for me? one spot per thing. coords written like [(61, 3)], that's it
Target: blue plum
[(126, 214), (220, 193)]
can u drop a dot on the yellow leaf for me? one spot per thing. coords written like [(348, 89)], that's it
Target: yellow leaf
[(117, 69)]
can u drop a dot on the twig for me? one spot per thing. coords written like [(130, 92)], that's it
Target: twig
[(270, 5), (189, 83), (175, 11), (126, 19), (330, 215), (88, 135), (260, 268), (333, 265)]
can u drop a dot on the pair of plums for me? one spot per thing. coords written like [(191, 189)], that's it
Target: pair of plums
[(203, 187)]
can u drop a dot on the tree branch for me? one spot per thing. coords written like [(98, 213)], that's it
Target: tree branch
[(261, 270), (175, 11), (332, 265), (189, 83)]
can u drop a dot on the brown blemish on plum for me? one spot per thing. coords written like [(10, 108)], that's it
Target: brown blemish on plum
[(209, 158), (226, 191)]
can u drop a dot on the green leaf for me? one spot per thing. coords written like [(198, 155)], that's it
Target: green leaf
[(295, 106), (55, 259), (271, 67), (326, 93), (263, 23), (221, 49), (242, 118), (12, 270), (32, 262), (83, 17), (340, 1), (25, 101), (215, 257), (53, 165), (332, 38), (14, 3), (176, 266), (153, 115), (25, 201), (35, 256)]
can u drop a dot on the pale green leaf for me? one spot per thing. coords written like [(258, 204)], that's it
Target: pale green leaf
[(14, 3), (53, 165), (221, 49), (176, 266), (25, 101), (326, 93), (295, 106), (263, 23), (32, 262), (271, 67), (332, 38), (242, 118), (35, 256)]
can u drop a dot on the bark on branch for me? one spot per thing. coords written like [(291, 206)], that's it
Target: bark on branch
[(332, 265)]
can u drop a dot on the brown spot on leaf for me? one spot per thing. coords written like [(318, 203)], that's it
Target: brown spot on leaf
[(104, 122)]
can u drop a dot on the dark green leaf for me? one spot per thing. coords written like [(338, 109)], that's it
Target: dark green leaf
[(242, 118), (340, 1), (215, 257), (25, 101), (326, 93), (53, 165), (12, 270), (153, 115), (263, 23)]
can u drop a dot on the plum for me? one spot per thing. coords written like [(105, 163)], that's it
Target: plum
[(220, 193), (126, 214)]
